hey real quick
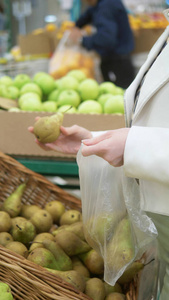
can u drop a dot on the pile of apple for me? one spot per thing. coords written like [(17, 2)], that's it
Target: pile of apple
[(73, 93)]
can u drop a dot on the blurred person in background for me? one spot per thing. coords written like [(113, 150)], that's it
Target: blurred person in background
[(112, 39)]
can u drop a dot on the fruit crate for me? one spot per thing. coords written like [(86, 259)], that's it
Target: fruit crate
[(26, 279)]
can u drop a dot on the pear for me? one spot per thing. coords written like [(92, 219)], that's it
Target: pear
[(93, 261), (112, 288), (56, 209), (43, 257), (5, 221), (71, 243), (63, 260), (5, 238), (47, 129), (18, 247), (12, 205), (76, 228), (130, 272), (42, 220), (120, 250), (78, 266), (5, 291), (115, 296), (72, 277), (39, 238), (95, 289), (102, 227), (28, 210), (22, 230), (70, 216)]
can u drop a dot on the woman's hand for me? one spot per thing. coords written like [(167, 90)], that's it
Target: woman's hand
[(110, 146), (69, 140)]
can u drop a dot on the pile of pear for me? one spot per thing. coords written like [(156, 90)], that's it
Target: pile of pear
[(53, 237)]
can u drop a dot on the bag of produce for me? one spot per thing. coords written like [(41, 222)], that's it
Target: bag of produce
[(114, 224), (69, 56)]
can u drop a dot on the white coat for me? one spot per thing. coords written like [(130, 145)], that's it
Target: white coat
[(146, 155)]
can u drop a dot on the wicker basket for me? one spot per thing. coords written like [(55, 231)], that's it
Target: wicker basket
[(26, 279)]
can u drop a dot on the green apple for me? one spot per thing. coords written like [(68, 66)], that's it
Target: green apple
[(46, 83), (57, 83), (67, 109), (103, 98), (30, 101), (14, 109), (10, 92), (114, 105), (31, 87), (78, 74), (68, 83), (53, 96), (38, 75), (49, 106), (69, 97), (107, 87), (119, 91), (88, 89), (20, 80), (90, 107), (7, 80)]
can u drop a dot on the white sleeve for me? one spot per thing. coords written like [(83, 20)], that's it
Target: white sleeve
[(146, 154)]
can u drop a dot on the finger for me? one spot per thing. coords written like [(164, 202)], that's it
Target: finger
[(30, 129), (95, 140), (43, 146), (91, 150), (68, 130)]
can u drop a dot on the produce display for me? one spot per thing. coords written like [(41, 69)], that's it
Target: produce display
[(148, 20), (76, 90), (53, 238)]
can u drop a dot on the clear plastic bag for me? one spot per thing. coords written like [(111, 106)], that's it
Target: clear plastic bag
[(113, 223), (69, 56)]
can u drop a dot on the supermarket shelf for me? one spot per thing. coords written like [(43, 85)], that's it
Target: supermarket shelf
[(51, 167)]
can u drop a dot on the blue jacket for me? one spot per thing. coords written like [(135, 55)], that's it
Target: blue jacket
[(113, 33)]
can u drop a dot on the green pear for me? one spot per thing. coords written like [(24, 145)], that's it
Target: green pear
[(120, 250), (101, 228), (28, 210), (47, 129), (72, 277), (42, 220), (78, 266), (39, 238), (18, 248), (112, 288), (56, 209), (22, 230), (5, 221), (71, 243), (93, 261), (70, 216), (5, 291), (76, 228), (130, 272), (12, 205), (5, 238), (43, 257), (95, 289), (63, 260), (115, 296)]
